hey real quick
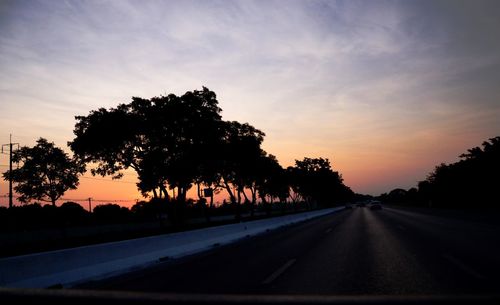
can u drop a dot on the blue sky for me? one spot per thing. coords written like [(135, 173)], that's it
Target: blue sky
[(385, 89)]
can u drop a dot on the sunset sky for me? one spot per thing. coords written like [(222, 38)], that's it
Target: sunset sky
[(385, 89)]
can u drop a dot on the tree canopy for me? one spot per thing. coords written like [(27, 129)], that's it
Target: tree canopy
[(164, 139), (314, 180), (174, 142), (45, 173), (473, 181)]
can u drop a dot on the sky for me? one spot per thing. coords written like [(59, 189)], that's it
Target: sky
[(386, 90)]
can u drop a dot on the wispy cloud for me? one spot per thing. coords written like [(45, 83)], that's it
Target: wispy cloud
[(338, 78)]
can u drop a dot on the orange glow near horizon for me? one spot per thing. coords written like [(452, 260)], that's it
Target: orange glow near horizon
[(365, 167)]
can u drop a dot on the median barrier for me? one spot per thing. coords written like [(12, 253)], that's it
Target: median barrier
[(75, 265)]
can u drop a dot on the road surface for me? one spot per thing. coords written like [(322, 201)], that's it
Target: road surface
[(353, 252)]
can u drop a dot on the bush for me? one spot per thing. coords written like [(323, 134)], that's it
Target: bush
[(111, 213)]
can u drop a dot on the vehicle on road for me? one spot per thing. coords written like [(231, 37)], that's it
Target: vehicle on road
[(375, 205)]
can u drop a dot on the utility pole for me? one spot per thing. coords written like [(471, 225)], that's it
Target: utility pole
[(10, 167), (90, 205)]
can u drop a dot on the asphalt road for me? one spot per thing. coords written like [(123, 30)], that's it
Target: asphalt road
[(353, 252)]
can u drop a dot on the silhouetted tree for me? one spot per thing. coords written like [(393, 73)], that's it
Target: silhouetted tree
[(109, 213), (174, 142), (395, 196), (71, 213), (315, 181), (166, 140), (293, 179), (196, 131), (45, 172), (273, 181), (239, 156), (472, 181)]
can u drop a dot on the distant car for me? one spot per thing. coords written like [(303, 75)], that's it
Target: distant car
[(375, 205)]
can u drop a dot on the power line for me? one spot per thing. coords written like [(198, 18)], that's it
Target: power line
[(96, 200), (81, 199), (93, 178), (117, 200), (108, 180)]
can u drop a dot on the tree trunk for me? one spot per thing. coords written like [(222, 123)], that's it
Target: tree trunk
[(245, 195), (231, 195), (181, 194), (254, 199), (199, 190), (163, 190), (238, 205), (269, 210)]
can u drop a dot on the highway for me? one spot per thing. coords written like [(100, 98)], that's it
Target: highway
[(353, 252)]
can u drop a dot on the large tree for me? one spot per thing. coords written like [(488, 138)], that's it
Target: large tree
[(45, 172), (272, 180), (166, 140), (315, 180), (472, 181), (238, 159)]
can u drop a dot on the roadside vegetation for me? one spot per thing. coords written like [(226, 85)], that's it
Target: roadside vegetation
[(174, 144), (472, 182), (177, 143)]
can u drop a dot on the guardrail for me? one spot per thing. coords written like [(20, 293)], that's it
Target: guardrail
[(72, 266)]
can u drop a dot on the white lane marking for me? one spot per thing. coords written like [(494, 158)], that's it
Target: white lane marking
[(328, 230), (463, 266), (278, 272)]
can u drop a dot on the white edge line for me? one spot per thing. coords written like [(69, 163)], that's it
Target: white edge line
[(463, 266), (278, 272)]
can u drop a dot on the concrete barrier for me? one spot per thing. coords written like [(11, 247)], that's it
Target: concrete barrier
[(72, 266)]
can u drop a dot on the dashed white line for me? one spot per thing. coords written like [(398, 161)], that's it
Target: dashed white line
[(463, 266), (278, 272)]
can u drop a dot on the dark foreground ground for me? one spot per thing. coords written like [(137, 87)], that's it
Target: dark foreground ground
[(20, 242), (392, 251)]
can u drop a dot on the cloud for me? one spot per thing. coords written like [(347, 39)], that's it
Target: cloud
[(316, 76)]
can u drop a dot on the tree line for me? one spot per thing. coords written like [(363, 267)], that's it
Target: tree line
[(175, 143), (471, 182)]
